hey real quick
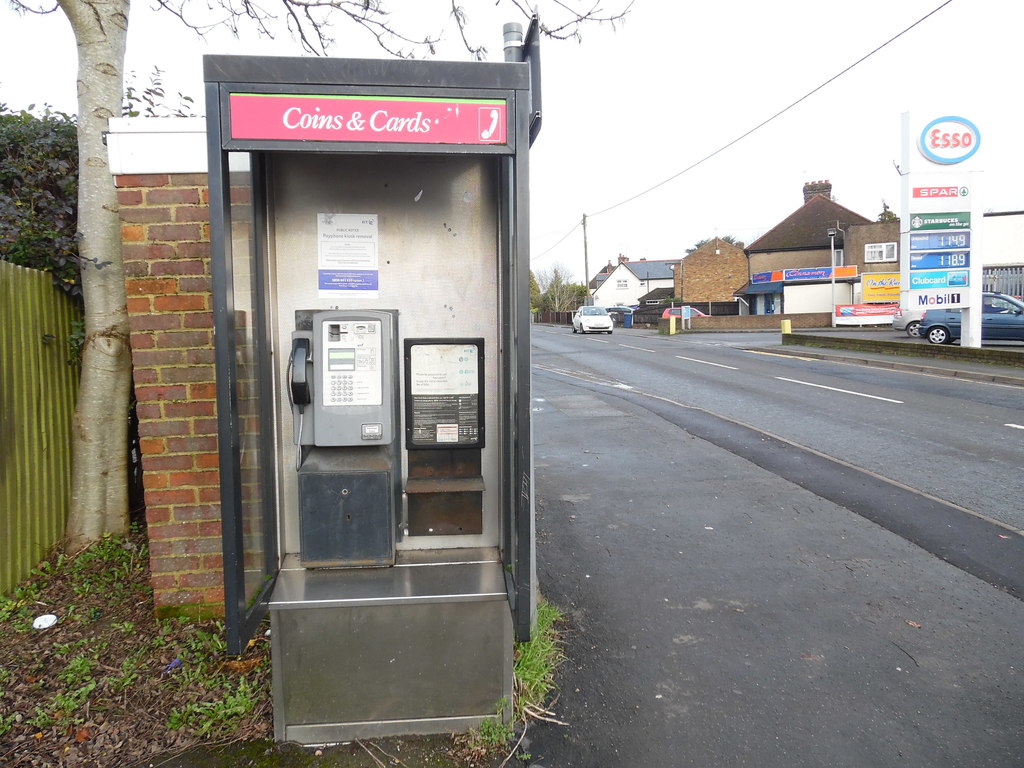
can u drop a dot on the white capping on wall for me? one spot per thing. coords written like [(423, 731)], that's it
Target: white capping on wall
[(138, 145)]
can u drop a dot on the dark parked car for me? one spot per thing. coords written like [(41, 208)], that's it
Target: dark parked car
[(1002, 319)]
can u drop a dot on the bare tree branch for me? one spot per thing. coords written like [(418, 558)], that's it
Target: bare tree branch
[(311, 22), (459, 14), (571, 28)]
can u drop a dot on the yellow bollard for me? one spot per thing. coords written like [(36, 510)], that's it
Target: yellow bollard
[(671, 325), (787, 326)]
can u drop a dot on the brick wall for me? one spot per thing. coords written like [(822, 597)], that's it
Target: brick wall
[(713, 272), (859, 235), (165, 242), (753, 322), (801, 259)]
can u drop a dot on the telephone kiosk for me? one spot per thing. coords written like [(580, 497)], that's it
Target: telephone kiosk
[(369, 250)]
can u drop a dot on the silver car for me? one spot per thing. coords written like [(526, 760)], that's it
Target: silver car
[(592, 320), (908, 321)]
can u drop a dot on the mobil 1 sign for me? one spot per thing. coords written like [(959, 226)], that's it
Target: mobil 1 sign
[(935, 299)]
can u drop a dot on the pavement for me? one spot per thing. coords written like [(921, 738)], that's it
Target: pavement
[(720, 615)]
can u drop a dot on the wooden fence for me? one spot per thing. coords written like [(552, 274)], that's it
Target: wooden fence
[(37, 397)]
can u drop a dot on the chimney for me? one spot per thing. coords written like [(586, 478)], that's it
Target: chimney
[(812, 188), (623, 259)]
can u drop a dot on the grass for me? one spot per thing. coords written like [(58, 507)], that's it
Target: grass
[(534, 671), (536, 661)]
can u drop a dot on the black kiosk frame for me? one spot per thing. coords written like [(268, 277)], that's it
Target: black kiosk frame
[(425, 645)]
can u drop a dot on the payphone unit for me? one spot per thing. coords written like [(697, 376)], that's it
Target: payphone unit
[(342, 381)]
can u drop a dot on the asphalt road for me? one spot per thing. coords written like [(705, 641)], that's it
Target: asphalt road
[(727, 607), (958, 440)]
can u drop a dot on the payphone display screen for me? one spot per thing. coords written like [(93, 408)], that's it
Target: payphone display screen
[(341, 360), (353, 358)]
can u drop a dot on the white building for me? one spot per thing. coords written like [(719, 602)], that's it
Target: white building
[(630, 280)]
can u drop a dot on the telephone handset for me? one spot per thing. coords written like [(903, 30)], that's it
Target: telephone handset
[(341, 378), (298, 376)]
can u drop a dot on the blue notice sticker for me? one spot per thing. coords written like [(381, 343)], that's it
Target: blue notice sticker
[(348, 279)]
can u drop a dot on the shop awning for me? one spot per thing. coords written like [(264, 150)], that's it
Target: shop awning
[(753, 288)]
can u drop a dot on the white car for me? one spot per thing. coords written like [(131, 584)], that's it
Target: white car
[(592, 320)]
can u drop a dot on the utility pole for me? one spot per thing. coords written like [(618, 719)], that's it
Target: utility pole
[(586, 263)]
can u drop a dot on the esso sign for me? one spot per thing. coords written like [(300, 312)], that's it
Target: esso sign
[(949, 140)]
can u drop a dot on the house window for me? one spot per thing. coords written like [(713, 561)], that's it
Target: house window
[(840, 257), (621, 285), (878, 252)]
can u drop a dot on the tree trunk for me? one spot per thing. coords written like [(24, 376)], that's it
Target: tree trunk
[(99, 501)]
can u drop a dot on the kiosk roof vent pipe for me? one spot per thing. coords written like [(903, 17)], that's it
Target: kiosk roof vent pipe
[(526, 48), (513, 41)]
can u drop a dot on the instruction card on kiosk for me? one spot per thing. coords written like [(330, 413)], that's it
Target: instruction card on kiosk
[(444, 383)]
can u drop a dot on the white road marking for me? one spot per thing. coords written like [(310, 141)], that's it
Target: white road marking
[(834, 389), (775, 354), (1014, 426), (630, 346), (705, 362)]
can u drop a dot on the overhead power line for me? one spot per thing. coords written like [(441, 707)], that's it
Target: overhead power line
[(560, 241), (757, 127)]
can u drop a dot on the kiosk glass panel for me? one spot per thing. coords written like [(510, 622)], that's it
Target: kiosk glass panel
[(248, 385)]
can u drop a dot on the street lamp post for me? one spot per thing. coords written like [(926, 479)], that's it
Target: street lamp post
[(832, 231)]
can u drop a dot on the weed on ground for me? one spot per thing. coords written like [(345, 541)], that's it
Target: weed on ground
[(109, 684)]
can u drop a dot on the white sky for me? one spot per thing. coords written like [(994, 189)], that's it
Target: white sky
[(631, 107)]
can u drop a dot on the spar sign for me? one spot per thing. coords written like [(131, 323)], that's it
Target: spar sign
[(949, 140)]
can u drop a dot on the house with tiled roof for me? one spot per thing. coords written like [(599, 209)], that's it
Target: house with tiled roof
[(658, 297), (791, 264), (601, 276), (630, 280)]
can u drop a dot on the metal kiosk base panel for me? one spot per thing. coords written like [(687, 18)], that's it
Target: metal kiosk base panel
[(419, 648)]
